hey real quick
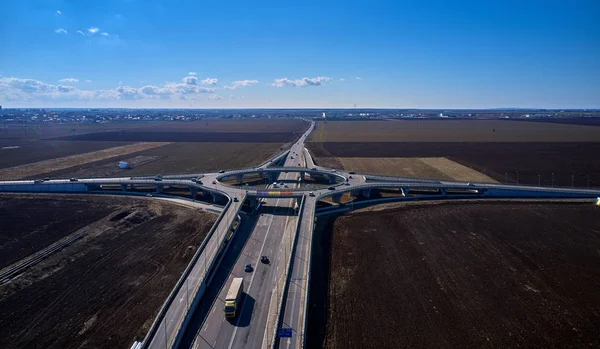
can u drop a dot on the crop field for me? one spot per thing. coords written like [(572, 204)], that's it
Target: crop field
[(102, 290), (534, 152), (84, 150), (177, 158), (451, 131), (464, 275)]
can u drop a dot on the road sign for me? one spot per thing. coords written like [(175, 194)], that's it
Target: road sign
[(285, 332)]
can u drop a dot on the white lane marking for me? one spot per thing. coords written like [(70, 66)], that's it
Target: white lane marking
[(251, 280)]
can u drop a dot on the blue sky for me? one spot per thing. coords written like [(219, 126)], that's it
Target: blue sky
[(278, 54)]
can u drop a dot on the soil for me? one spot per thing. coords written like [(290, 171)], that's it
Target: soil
[(57, 164), (449, 130), (501, 161), (468, 275), (104, 290), (24, 232), (165, 136)]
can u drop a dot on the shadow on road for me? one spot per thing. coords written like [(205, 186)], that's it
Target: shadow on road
[(212, 292), (277, 211), (247, 308)]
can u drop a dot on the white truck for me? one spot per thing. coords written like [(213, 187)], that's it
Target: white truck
[(234, 294)]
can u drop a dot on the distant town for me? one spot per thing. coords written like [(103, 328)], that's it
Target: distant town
[(102, 115)]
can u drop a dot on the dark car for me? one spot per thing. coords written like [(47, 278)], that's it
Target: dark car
[(73, 179), (235, 199), (248, 268), (331, 188), (158, 178), (265, 260), (352, 172), (221, 171)]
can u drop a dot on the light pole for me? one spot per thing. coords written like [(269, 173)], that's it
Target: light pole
[(517, 177), (588, 181), (505, 177), (552, 181), (573, 180), (539, 180)]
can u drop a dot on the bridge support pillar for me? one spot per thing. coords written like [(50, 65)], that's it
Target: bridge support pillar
[(405, 191), (159, 188), (331, 179), (123, 187), (240, 178), (252, 201), (366, 192), (214, 197), (193, 192), (302, 176), (336, 198)]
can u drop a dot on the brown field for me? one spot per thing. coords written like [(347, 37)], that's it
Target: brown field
[(228, 126), (469, 275), (86, 150), (182, 136), (451, 131), (31, 152), (497, 160), (58, 164), (440, 168), (103, 290), (177, 158)]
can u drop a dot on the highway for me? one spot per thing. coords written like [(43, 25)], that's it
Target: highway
[(272, 236)]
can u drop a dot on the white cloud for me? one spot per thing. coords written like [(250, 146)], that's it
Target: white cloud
[(58, 12), (31, 90), (210, 81), (214, 97), (301, 82), (104, 34), (358, 78), (241, 83), (71, 80), (342, 79), (193, 73), (190, 80), (93, 30), (60, 31), (88, 80), (80, 32)]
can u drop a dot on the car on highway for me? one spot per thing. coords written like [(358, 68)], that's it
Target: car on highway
[(265, 260), (331, 188), (73, 180), (347, 183), (149, 195), (314, 168), (221, 171), (248, 268), (235, 199), (38, 181), (46, 178), (311, 194), (350, 177), (158, 178), (214, 182), (352, 172)]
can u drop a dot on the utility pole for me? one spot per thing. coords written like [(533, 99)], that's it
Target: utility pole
[(588, 181), (505, 177)]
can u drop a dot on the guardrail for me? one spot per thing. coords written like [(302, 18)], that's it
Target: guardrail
[(206, 281), (161, 314), (288, 272)]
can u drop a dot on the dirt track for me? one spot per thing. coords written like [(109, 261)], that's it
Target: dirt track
[(479, 275), (102, 291)]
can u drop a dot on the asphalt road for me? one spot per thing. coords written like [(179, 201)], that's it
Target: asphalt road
[(272, 235)]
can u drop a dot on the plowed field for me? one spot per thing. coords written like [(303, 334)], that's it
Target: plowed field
[(104, 290), (469, 275)]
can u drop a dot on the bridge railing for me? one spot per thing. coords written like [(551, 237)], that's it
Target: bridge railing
[(182, 280)]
